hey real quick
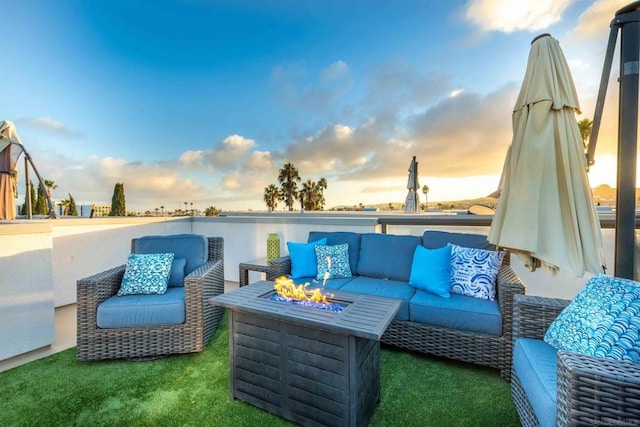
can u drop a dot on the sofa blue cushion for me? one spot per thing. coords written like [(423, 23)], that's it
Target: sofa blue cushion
[(458, 312), (535, 364), (339, 237), (383, 288), (431, 270), (331, 284), (387, 256), (303, 258), (142, 310), (192, 247), (437, 239)]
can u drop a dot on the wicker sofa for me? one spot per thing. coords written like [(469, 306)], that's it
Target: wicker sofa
[(200, 283), (374, 270), (571, 389)]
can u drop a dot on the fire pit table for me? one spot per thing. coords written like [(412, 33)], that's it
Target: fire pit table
[(311, 366)]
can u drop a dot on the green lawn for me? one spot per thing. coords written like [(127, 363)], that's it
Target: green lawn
[(193, 390)]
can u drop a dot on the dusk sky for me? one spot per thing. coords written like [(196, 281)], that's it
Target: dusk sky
[(203, 101)]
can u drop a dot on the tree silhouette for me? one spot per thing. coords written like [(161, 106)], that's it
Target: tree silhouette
[(272, 195), (288, 179), (118, 207)]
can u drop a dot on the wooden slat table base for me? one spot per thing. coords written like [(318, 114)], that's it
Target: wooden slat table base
[(314, 368)]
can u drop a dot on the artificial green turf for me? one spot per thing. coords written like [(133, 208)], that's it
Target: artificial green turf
[(193, 390)]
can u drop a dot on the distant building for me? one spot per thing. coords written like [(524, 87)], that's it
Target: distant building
[(101, 210)]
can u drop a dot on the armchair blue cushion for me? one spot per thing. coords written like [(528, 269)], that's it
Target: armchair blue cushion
[(192, 247), (437, 239), (339, 237)]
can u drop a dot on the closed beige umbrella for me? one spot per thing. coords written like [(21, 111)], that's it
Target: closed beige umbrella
[(412, 201), (545, 213), (10, 150)]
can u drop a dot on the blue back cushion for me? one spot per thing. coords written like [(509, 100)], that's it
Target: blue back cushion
[(437, 239), (194, 248), (387, 256), (340, 237)]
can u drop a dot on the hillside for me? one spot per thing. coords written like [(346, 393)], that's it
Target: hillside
[(603, 195)]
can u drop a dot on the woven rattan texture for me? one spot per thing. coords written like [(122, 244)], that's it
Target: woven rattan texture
[(591, 390), (128, 343)]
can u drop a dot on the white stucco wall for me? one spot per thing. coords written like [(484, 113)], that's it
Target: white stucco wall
[(26, 288)]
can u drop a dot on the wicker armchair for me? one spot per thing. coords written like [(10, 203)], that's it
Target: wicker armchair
[(201, 318), (590, 390)]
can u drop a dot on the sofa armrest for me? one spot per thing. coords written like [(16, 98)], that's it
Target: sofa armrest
[(281, 266), (508, 285), (93, 290), (596, 391), (532, 315)]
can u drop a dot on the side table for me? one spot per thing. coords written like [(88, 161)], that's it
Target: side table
[(260, 265)]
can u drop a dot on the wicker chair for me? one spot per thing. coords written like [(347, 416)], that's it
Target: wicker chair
[(590, 390), (201, 318)]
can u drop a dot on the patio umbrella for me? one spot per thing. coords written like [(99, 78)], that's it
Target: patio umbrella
[(412, 202), (546, 213), (10, 150)]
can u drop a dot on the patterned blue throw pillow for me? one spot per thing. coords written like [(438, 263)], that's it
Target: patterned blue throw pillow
[(333, 259), (474, 271), (603, 320), (146, 274)]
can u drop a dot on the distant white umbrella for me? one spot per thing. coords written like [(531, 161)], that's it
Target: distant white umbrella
[(412, 202), (545, 213)]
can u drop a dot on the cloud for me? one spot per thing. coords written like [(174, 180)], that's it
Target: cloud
[(317, 93), (46, 124), (224, 156), (335, 71), (509, 16)]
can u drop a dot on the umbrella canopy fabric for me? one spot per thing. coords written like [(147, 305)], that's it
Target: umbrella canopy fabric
[(10, 150), (546, 213), (412, 202)]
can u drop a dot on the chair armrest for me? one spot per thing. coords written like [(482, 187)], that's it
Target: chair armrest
[(597, 391), (508, 285), (532, 315), (281, 266), (93, 290), (216, 248)]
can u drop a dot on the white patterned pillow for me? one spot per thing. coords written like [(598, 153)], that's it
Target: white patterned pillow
[(339, 266), (474, 271), (146, 274)]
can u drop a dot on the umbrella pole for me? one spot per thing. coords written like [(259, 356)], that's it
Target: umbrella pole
[(627, 20), (627, 146)]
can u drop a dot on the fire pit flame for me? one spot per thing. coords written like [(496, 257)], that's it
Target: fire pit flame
[(288, 291)]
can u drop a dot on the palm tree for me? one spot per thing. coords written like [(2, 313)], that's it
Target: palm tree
[(162, 210), (322, 185), (308, 195), (50, 186), (425, 191), (272, 195), (585, 126), (288, 178), (211, 211)]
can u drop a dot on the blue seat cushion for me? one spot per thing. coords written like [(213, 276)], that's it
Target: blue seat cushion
[(383, 288), (194, 248), (142, 310), (437, 239), (459, 312), (535, 364), (331, 284), (387, 256), (338, 238)]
